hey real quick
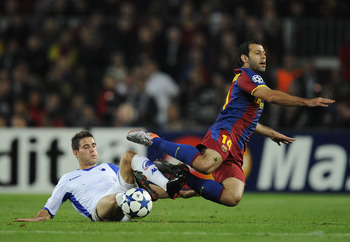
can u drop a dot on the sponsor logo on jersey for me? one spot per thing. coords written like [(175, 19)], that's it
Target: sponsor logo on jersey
[(257, 79), (145, 165), (74, 177)]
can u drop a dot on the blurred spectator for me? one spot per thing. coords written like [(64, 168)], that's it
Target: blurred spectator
[(161, 87), (89, 118), (36, 109), (124, 115), (173, 51), (117, 67), (20, 116), (108, 100), (145, 46), (3, 121), (54, 115), (76, 111), (22, 80), (93, 56), (285, 77), (195, 62), (11, 55), (35, 55), (344, 58), (49, 31), (145, 105), (174, 118), (18, 121), (64, 47), (6, 98), (308, 85), (17, 29), (59, 78), (287, 73)]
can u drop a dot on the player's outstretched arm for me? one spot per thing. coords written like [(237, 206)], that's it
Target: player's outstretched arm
[(285, 99), (43, 215), (273, 134)]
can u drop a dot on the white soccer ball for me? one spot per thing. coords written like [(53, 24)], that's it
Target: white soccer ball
[(137, 203)]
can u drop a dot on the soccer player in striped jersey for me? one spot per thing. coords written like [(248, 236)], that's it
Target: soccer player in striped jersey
[(221, 151)]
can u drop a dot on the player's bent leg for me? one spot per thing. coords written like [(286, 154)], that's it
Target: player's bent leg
[(232, 192), (107, 209), (207, 162), (125, 166)]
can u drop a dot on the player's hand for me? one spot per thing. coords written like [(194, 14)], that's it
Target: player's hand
[(188, 193), (25, 220), (43, 215), (320, 102), (280, 138), (35, 219)]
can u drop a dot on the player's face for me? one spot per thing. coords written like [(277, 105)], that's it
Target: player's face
[(87, 154), (257, 58)]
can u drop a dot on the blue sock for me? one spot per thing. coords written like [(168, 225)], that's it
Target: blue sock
[(182, 152), (209, 189)]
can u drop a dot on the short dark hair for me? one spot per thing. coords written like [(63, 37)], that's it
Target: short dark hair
[(243, 49), (78, 136)]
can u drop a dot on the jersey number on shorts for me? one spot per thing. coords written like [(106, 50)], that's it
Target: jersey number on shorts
[(226, 141)]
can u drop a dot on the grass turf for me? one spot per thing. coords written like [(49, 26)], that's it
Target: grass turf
[(259, 217)]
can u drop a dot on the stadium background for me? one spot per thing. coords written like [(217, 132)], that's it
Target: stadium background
[(72, 64)]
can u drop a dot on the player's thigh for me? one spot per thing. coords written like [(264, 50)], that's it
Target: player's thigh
[(208, 162), (108, 210), (125, 166), (233, 191)]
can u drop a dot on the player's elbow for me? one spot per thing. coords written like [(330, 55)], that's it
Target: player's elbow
[(270, 98)]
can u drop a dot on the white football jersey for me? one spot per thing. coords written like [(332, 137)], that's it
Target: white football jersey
[(84, 188)]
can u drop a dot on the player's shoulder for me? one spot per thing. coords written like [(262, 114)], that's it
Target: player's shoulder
[(248, 71), (111, 166), (256, 78), (71, 174)]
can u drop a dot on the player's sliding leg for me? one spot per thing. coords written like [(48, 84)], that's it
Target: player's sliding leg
[(209, 189), (148, 169), (228, 194), (182, 152)]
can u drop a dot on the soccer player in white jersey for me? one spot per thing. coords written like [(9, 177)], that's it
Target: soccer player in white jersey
[(96, 191)]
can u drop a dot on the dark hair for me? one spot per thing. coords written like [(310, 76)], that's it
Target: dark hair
[(243, 49), (78, 136)]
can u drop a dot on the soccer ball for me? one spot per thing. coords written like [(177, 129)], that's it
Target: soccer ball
[(137, 203)]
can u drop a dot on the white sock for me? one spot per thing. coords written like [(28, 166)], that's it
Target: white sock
[(143, 164)]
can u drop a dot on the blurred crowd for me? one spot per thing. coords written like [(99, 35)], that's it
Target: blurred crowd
[(157, 64)]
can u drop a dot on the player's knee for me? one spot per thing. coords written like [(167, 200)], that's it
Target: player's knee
[(127, 156), (231, 199), (234, 201)]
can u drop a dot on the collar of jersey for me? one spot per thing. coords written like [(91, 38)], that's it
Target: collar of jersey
[(89, 168)]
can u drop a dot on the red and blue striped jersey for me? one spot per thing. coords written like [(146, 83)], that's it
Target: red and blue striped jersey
[(242, 111)]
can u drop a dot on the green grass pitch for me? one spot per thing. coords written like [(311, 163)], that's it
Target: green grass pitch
[(259, 217)]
